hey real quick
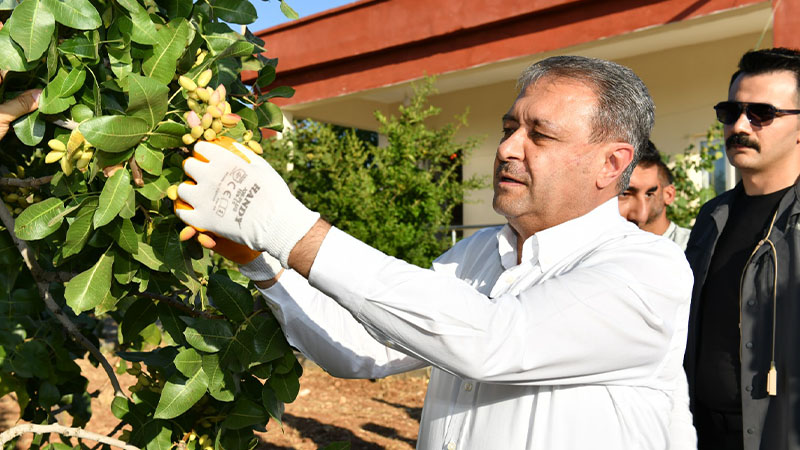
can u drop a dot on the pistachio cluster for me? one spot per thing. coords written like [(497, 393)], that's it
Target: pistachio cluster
[(17, 201), (210, 113), (77, 153)]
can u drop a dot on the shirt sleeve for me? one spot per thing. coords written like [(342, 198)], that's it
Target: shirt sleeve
[(328, 334), (597, 323)]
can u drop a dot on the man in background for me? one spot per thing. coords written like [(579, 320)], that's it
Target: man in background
[(648, 195), (743, 350)]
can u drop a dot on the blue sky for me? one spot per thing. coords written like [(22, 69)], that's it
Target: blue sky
[(269, 12)]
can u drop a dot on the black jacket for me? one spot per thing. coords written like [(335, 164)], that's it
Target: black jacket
[(769, 423)]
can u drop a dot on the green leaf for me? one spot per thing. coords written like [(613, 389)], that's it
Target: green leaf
[(34, 222), (139, 27), (114, 133), (13, 56), (167, 135), (138, 316), (52, 104), (112, 297), (180, 394), (124, 268), (207, 335), (339, 445), (149, 159), (81, 112), (188, 362), (280, 91), (235, 11), (288, 11), (220, 383), (265, 76), (83, 45), (245, 413), (112, 198), (147, 99), (30, 129), (233, 300), (270, 116), (88, 289), (129, 208), (31, 25), (78, 14), (74, 80), (269, 343), (161, 63), (176, 8), (286, 386), (146, 256), (120, 407), (81, 228), (172, 323), (154, 189), (125, 235), (270, 401), (105, 159)]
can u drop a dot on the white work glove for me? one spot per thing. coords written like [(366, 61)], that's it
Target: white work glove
[(239, 196), (264, 267)]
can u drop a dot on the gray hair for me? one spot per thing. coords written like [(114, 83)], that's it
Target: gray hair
[(624, 111)]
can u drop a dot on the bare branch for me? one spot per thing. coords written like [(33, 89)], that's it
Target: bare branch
[(39, 276), (79, 433), (25, 182)]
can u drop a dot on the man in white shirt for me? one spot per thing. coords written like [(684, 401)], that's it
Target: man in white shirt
[(564, 329), (648, 195)]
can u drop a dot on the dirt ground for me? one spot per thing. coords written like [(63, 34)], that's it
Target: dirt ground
[(370, 415)]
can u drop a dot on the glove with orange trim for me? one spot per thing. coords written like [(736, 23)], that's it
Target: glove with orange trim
[(237, 195)]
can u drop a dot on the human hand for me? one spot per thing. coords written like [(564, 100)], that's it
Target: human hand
[(257, 266), (22, 104), (237, 195)]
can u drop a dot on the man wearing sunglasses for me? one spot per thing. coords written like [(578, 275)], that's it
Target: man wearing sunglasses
[(743, 350)]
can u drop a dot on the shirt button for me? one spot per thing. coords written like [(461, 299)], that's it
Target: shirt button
[(749, 431), (749, 345), (751, 303), (467, 387), (452, 446), (748, 388)]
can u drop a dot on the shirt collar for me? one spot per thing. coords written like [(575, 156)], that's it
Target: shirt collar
[(550, 246), (670, 229)]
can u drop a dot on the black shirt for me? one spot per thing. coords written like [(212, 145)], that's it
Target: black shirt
[(718, 384)]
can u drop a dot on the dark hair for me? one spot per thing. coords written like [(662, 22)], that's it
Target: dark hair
[(624, 111), (651, 157), (757, 62)]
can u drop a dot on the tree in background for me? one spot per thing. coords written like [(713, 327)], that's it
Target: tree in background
[(89, 237), (686, 168), (399, 197)]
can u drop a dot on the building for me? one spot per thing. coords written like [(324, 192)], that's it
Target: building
[(350, 61)]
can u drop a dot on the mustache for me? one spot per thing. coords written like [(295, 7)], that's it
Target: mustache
[(511, 169), (742, 140)]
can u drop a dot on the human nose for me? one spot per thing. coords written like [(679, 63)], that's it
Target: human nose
[(741, 125), (511, 147)]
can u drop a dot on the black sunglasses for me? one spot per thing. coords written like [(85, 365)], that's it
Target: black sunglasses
[(757, 113)]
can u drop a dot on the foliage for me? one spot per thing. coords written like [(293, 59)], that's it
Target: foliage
[(689, 197), (110, 132), (398, 198)]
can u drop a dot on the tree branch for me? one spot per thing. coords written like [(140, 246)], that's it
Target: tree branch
[(39, 276), (25, 182), (79, 433)]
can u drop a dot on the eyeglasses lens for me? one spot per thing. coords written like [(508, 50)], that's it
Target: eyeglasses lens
[(757, 113)]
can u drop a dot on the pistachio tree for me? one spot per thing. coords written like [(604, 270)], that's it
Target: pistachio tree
[(89, 242)]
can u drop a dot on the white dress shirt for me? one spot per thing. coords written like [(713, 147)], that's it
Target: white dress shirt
[(577, 347)]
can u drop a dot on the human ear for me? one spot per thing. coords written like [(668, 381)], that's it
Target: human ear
[(618, 156), (669, 194)]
